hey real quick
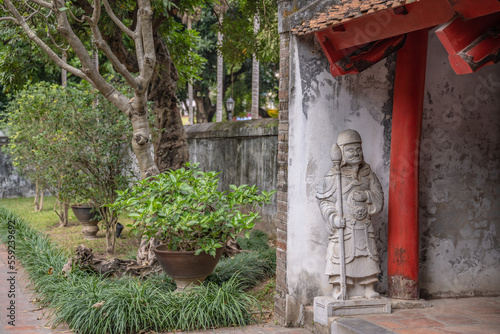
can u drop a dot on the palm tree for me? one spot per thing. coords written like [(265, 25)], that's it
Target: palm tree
[(255, 74), (220, 66)]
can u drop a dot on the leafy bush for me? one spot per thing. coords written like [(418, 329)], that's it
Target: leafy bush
[(78, 151), (184, 209)]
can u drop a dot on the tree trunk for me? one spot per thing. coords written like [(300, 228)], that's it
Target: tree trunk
[(220, 77), (205, 111), (190, 87), (110, 238), (64, 73), (171, 149), (37, 198), (63, 213), (40, 203), (110, 219), (255, 76)]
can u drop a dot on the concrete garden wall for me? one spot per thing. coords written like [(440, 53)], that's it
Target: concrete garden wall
[(243, 152)]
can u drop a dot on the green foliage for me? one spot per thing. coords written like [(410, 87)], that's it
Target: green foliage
[(76, 149), (183, 44), (126, 305), (22, 62), (240, 42), (73, 148), (184, 209), (258, 241), (240, 38), (251, 267)]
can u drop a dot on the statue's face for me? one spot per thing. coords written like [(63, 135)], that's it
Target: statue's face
[(353, 154)]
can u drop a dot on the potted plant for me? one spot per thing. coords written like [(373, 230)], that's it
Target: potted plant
[(191, 218), (89, 217)]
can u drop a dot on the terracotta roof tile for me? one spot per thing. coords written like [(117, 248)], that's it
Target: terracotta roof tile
[(345, 11)]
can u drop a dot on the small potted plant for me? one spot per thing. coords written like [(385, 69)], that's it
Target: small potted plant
[(192, 219), (88, 216)]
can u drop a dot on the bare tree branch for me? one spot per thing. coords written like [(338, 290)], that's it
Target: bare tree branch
[(31, 34), (139, 48), (42, 3), (116, 20), (8, 18), (145, 14), (107, 90), (96, 15), (104, 47)]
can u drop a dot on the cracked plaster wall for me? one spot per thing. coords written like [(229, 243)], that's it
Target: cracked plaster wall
[(320, 107), (459, 185)]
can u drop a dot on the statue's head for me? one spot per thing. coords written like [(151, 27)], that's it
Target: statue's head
[(349, 142)]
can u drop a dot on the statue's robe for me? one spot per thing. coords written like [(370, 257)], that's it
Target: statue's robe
[(361, 255)]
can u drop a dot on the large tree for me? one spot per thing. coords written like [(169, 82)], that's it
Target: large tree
[(130, 35)]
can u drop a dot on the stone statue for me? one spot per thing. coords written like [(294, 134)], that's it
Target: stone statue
[(361, 197)]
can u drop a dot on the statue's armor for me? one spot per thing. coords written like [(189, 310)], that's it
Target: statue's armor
[(361, 256)]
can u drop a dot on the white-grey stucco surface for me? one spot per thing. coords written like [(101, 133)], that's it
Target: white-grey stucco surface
[(459, 183), (459, 166)]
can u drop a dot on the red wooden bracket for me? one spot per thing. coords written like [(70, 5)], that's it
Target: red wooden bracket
[(471, 44), (357, 59)]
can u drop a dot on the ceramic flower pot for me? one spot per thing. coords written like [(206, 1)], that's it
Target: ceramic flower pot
[(185, 267), (89, 219)]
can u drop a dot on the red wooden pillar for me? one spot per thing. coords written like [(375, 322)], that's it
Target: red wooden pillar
[(403, 236)]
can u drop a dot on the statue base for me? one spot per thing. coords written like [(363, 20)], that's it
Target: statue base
[(326, 307)]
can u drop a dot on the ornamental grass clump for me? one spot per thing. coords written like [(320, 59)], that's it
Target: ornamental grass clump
[(184, 209)]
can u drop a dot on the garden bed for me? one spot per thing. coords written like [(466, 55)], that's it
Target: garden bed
[(89, 303)]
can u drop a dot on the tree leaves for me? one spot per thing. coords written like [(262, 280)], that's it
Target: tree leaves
[(185, 209)]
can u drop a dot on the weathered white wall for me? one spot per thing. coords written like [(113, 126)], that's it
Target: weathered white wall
[(320, 108), (459, 185)]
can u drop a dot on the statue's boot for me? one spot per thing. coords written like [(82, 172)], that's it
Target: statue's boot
[(370, 292)]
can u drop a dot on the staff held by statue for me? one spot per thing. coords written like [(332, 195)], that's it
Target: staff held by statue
[(336, 155)]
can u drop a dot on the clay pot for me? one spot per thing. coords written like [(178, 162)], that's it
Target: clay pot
[(89, 218), (185, 267)]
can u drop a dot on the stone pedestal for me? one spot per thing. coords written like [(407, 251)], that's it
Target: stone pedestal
[(326, 307)]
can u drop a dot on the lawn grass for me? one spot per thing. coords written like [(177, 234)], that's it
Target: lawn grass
[(71, 236)]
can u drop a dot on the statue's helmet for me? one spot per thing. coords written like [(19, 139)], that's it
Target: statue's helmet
[(348, 137)]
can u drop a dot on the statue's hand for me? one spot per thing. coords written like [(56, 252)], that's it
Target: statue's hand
[(360, 196), (338, 222)]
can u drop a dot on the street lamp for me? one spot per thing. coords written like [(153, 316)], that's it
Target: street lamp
[(229, 107)]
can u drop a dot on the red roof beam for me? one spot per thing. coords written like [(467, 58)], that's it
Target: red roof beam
[(388, 23), (469, 9), (471, 44)]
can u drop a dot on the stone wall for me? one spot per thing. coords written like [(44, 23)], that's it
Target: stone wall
[(243, 152), (11, 184)]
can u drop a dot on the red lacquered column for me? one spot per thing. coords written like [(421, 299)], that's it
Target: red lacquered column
[(403, 236)]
